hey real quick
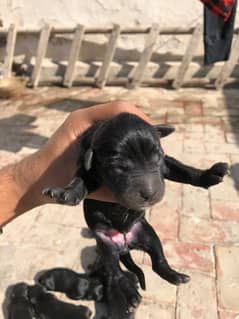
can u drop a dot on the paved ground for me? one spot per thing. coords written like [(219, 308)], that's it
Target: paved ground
[(199, 228)]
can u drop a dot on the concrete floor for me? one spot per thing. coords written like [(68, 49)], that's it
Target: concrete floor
[(199, 228)]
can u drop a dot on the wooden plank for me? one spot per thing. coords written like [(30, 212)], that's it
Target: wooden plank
[(156, 82), (145, 56), (41, 52), (74, 55), (229, 65), (188, 56), (10, 48), (106, 30), (109, 54)]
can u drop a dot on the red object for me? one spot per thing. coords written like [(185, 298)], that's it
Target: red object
[(220, 7)]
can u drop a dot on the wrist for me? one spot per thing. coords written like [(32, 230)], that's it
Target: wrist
[(12, 191)]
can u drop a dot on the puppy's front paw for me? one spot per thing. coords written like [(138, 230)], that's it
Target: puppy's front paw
[(63, 195), (214, 175)]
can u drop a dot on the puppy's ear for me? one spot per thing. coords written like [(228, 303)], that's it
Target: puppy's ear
[(164, 130), (88, 159)]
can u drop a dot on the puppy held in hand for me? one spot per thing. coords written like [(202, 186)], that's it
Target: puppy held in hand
[(28, 302), (124, 153)]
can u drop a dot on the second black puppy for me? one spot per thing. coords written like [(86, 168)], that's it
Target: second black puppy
[(124, 153), (28, 302)]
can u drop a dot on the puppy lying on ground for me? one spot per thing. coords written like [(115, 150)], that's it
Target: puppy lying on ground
[(28, 302), (73, 285), (124, 153)]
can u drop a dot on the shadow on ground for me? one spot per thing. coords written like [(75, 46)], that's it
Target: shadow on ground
[(231, 125), (15, 133), (234, 173), (70, 105)]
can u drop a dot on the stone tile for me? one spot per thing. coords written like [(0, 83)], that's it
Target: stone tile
[(193, 108), (222, 148), (51, 214), (8, 266), (157, 289), (221, 111), (214, 136), (156, 104), (153, 310), (71, 216), (213, 130), (228, 276), (164, 221), (187, 255), (190, 255), (189, 127), (173, 191), (194, 145), (224, 191), (197, 299), (195, 202), (225, 210), (175, 119), (30, 260), (228, 315), (208, 231), (18, 230), (202, 120), (172, 111), (173, 144)]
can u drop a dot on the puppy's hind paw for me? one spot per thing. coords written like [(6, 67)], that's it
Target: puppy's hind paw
[(182, 279), (174, 277)]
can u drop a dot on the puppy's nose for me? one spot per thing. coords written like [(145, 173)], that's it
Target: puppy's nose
[(147, 194)]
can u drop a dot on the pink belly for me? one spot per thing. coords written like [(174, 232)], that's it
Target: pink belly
[(118, 238)]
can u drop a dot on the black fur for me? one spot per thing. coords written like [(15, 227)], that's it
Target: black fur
[(28, 302), (114, 294), (75, 286)]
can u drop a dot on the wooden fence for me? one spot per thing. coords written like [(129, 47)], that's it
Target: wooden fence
[(152, 33)]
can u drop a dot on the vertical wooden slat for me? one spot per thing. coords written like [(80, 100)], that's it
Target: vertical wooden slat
[(188, 56), (41, 52), (229, 65), (74, 55), (10, 48), (145, 56), (110, 51)]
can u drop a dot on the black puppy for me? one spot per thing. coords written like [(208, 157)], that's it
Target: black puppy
[(71, 283), (28, 302), (19, 306), (47, 306), (74, 285), (124, 153)]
